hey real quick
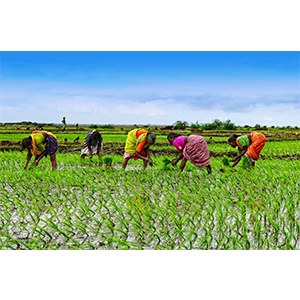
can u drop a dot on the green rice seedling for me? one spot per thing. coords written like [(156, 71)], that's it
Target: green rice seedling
[(225, 161), (167, 161), (107, 161), (125, 233), (245, 162)]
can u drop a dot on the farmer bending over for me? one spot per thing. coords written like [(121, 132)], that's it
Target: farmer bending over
[(92, 144), (249, 145), (40, 144), (192, 148), (137, 146)]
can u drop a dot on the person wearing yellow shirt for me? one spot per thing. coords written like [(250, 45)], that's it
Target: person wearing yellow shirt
[(40, 144), (137, 146)]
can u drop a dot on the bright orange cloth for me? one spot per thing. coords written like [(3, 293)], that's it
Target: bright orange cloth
[(140, 132), (258, 142), (141, 144)]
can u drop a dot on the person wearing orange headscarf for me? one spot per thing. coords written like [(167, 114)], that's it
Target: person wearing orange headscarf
[(249, 145)]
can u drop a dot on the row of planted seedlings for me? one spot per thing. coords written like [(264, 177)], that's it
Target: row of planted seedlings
[(90, 207)]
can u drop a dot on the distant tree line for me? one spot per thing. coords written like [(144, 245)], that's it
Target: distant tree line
[(29, 123), (108, 126), (215, 124)]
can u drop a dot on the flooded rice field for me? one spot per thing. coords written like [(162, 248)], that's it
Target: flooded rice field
[(84, 205)]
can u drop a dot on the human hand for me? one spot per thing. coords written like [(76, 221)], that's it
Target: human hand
[(149, 161)]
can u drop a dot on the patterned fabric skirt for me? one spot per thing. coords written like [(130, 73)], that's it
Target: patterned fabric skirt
[(51, 145), (196, 151), (258, 142), (128, 155), (85, 149)]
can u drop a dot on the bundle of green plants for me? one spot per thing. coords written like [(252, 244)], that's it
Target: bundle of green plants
[(246, 162), (107, 160), (225, 161), (166, 161)]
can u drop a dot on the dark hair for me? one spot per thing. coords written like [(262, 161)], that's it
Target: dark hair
[(172, 135), (95, 137), (232, 138), (151, 137), (26, 143)]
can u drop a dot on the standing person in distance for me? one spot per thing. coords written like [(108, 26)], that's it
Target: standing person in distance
[(249, 145), (137, 146), (64, 123), (192, 148), (93, 144)]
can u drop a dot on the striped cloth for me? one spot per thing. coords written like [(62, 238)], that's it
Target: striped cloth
[(51, 145), (196, 151)]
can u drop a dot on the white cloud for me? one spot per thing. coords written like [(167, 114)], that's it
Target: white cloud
[(268, 119), (146, 104)]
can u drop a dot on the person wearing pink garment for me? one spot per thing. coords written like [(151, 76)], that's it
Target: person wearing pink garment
[(192, 148)]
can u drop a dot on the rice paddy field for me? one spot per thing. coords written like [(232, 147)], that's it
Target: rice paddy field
[(97, 205)]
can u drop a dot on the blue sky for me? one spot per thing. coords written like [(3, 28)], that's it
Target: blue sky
[(150, 87)]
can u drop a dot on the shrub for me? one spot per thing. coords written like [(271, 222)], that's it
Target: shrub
[(180, 124), (228, 125), (108, 126), (218, 124), (195, 125), (93, 126), (208, 126)]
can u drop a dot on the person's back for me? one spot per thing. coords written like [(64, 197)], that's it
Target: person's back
[(135, 137)]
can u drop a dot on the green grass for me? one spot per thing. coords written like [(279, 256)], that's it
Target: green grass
[(84, 205)]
